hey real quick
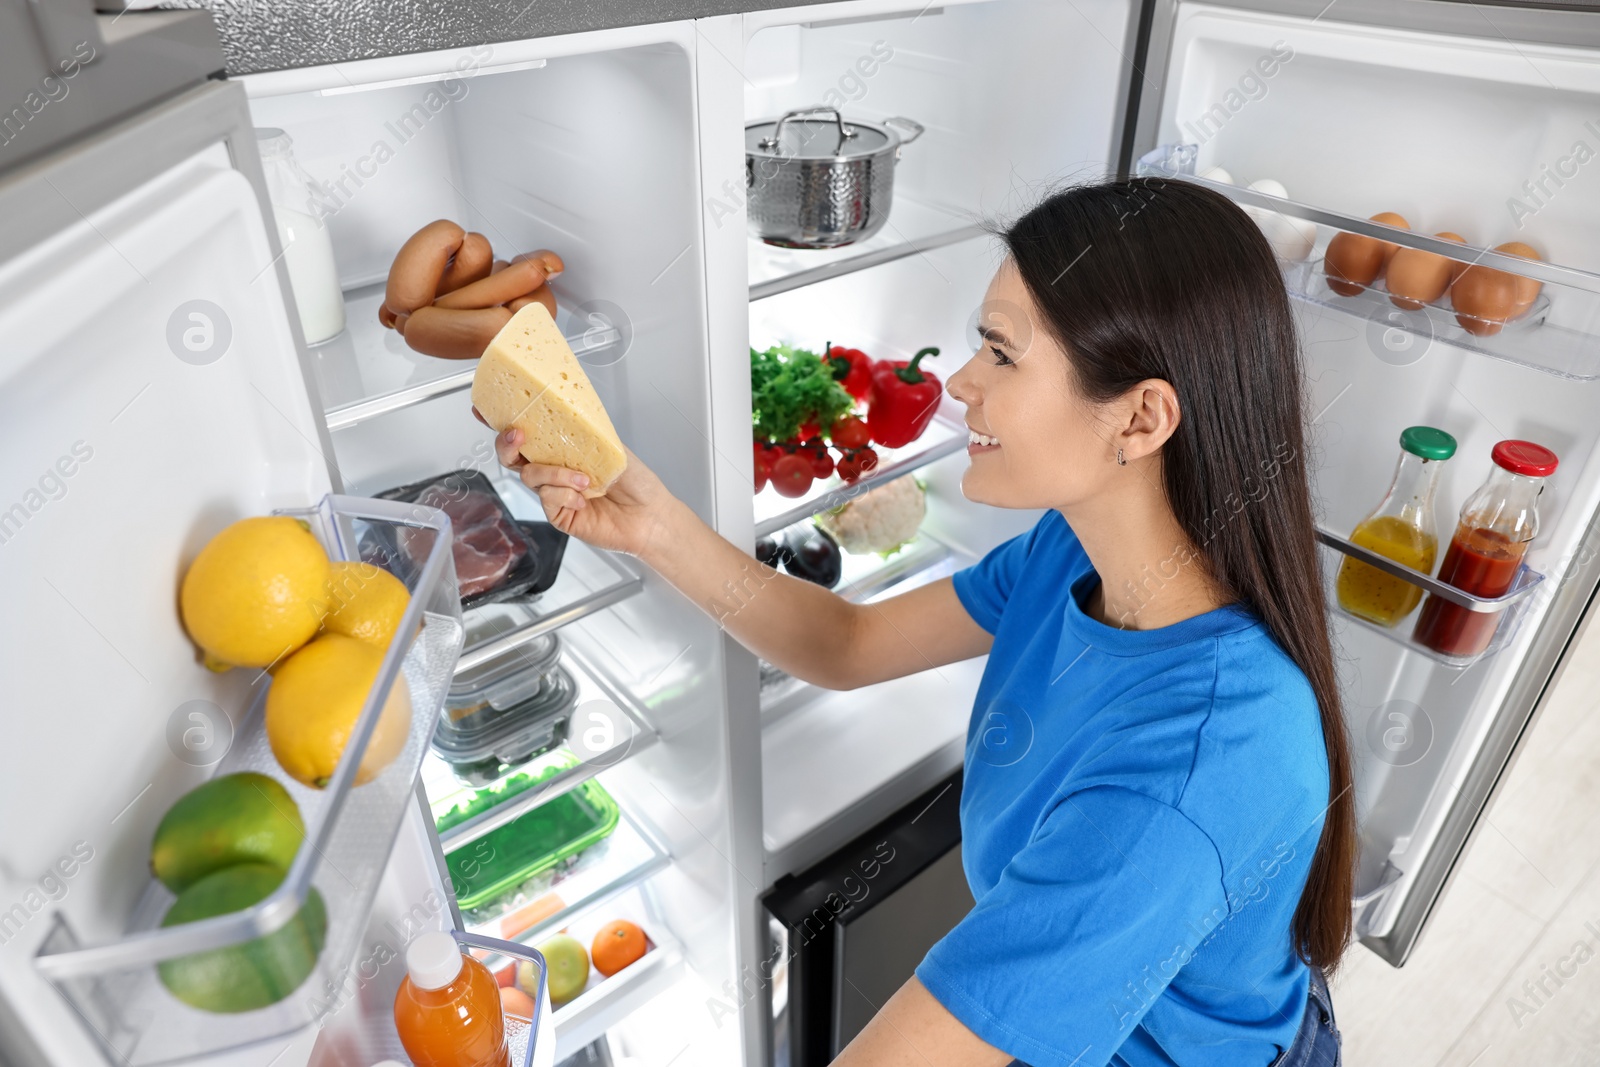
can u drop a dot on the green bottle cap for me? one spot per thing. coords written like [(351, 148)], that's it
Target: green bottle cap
[(1427, 442)]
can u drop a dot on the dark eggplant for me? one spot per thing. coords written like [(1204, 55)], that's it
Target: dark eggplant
[(814, 556), (772, 550)]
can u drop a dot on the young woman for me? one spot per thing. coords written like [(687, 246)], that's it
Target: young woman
[(1156, 814)]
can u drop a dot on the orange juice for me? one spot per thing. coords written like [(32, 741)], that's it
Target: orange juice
[(1366, 591), (447, 1010)]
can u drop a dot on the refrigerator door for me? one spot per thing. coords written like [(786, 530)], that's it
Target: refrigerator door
[(150, 393), (1440, 112)]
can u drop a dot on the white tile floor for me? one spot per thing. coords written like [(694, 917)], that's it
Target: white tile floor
[(1524, 909)]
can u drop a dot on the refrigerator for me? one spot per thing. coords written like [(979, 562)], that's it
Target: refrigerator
[(622, 148)]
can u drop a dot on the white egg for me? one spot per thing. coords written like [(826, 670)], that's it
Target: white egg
[(1270, 187), (1217, 174)]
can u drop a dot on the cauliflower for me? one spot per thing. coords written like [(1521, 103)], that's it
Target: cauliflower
[(880, 520)]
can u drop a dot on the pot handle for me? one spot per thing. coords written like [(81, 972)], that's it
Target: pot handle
[(915, 127), (845, 132)]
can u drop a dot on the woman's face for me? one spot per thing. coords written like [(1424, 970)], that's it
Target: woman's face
[(1033, 442)]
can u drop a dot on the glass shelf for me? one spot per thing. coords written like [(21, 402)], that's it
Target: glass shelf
[(115, 986), (607, 727), (1559, 334), (600, 873), (367, 370), (913, 227), (1514, 603), (590, 579), (867, 577), (774, 511)]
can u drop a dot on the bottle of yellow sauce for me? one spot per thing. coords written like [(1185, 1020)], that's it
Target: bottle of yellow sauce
[(1400, 528)]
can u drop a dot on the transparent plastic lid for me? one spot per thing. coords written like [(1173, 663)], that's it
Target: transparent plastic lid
[(507, 680), (514, 734)]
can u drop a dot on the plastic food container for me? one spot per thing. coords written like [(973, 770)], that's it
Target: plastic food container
[(484, 743), (504, 682), (497, 557), (500, 861)]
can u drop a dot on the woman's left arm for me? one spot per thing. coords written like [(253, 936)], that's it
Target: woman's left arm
[(914, 1030)]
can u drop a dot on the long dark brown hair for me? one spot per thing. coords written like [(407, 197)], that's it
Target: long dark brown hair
[(1146, 278)]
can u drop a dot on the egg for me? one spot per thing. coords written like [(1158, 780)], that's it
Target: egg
[(1353, 262), (1415, 277), (1217, 174), (1291, 238), (1484, 299), (1527, 288)]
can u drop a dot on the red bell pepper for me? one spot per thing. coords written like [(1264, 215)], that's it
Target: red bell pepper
[(904, 398), (852, 368)]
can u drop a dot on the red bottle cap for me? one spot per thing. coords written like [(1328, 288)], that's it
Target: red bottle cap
[(1525, 457)]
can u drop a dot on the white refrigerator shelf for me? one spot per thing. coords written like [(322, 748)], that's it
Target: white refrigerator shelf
[(608, 726), (367, 370), (774, 511), (913, 228), (349, 831)]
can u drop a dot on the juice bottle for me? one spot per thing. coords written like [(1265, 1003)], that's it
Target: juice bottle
[(1497, 522), (1400, 528), (448, 1008)]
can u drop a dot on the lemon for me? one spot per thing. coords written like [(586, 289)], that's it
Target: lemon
[(313, 703), (256, 592), (366, 602)]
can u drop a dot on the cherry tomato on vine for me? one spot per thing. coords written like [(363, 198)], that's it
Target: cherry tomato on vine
[(851, 432), (792, 475)]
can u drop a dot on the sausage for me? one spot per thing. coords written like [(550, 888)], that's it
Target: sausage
[(543, 295), (453, 333), (518, 279), (471, 263), (552, 262), (420, 263)]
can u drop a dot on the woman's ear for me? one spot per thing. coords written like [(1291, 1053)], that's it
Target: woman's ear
[(1151, 416)]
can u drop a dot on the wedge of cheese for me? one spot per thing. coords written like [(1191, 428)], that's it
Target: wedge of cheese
[(529, 378)]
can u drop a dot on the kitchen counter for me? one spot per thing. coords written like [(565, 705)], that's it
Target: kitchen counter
[(281, 34)]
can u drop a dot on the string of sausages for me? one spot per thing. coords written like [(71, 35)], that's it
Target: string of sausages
[(448, 296)]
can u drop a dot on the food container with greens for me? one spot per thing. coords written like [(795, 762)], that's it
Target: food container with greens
[(488, 869)]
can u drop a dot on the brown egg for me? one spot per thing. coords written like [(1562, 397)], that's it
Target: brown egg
[(1484, 299), (1527, 288), (1354, 262), (1415, 277)]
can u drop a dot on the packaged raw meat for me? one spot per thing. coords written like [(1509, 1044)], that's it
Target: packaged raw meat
[(496, 557)]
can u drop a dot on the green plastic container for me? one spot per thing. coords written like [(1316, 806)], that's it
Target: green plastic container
[(530, 844)]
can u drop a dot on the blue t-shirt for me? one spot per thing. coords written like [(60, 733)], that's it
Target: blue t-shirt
[(1138, 816)]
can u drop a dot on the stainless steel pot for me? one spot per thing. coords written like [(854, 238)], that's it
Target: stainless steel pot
[(821, 182)]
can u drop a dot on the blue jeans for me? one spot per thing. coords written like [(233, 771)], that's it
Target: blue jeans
[(1317, 1043)]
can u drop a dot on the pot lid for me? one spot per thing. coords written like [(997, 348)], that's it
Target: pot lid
[(821, 134)]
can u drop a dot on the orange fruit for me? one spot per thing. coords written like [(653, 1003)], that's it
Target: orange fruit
[(514, 1001), (616, 945)]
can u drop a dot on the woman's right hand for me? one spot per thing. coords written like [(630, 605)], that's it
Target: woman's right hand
[(626, 519)]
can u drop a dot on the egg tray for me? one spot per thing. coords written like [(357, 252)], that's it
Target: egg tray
[(1377, 296)]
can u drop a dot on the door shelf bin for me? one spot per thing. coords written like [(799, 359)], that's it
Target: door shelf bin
[(365, 1032), (349, 831), (1513, 604), (1558, 334)]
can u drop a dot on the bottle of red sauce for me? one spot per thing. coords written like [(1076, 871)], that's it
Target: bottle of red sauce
[(1497, 522)]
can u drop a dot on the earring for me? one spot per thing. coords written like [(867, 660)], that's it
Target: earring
[(1120, 461)]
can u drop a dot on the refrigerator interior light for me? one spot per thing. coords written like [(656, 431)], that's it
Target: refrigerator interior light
[(436, 76)]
